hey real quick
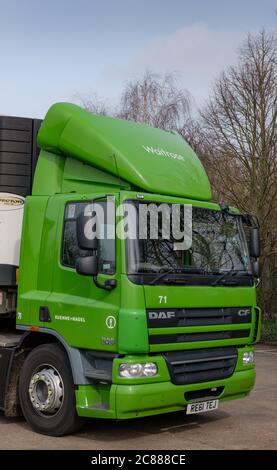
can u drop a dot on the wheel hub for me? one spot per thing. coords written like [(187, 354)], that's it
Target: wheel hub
[(46, 390)]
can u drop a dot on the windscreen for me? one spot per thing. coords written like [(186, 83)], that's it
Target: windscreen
[(217, 245)]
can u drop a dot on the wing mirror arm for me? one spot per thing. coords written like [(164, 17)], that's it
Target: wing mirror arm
[(88, 265)]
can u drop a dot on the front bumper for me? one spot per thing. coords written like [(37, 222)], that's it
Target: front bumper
[(123, 400), (135, 401)]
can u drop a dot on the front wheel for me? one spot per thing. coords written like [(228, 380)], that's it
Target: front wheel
[(46, 392)]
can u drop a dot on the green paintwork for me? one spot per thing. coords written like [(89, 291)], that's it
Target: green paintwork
[(49, 174), (28, 290), (123, 148), (62, 290), (209, 297), (96, 156)]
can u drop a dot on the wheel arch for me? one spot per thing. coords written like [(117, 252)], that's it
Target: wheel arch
[(32, 339)]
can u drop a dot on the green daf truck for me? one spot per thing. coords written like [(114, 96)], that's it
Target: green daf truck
[(95, 323)]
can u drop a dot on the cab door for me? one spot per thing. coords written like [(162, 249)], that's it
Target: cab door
[(85, 315)]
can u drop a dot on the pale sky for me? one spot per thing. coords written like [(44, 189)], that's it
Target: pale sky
[(52, 50)]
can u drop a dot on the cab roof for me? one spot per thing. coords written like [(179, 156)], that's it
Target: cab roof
[(150, 159)]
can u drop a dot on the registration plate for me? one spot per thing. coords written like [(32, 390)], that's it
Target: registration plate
[(202, 406)]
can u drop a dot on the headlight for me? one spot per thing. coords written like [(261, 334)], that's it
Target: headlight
[(148, 369), (248, 358)]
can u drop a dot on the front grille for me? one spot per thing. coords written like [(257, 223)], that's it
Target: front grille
[(232, 323), (192, 337), (178, 317), (202, 365)]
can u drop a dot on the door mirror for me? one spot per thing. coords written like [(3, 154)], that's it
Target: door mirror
[(86, 232), (254, 243), (87, 266), (256, 268)]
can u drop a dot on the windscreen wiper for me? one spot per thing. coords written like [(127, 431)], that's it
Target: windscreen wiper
[(177, 271), (225, 275)]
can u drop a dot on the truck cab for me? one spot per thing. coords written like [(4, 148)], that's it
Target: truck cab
[(111, 320)]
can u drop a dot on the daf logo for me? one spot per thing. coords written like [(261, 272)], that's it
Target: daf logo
[(161, 315), (244, 312)]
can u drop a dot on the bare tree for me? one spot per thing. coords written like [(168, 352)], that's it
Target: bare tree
[(155, 100), (94, 104), (241, 127)]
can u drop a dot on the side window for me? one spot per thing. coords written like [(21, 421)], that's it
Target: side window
[(106, 245), (70, 249)]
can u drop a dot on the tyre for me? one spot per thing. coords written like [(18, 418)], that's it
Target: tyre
[(47, 392)]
